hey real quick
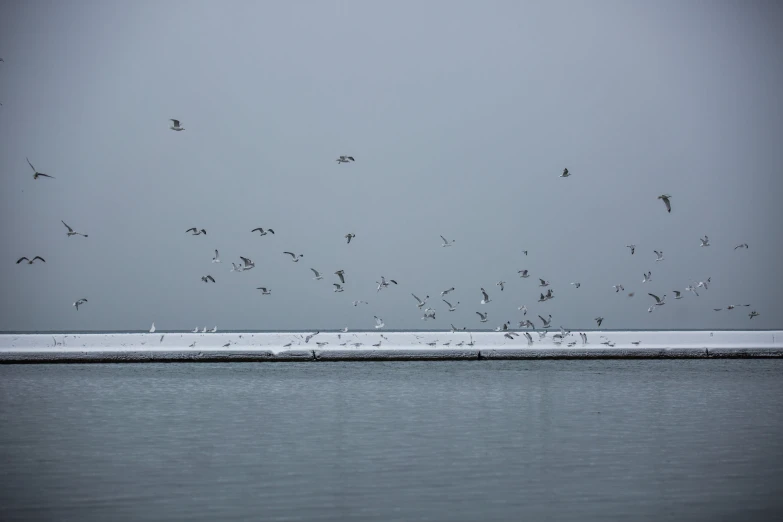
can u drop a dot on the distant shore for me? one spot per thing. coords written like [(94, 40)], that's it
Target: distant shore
[(383, 346)]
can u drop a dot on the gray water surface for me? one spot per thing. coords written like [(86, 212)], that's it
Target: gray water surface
[(456, 441)]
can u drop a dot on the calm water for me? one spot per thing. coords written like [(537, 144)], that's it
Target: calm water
[(472, 441)]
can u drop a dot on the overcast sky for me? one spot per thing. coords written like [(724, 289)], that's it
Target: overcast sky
[(461, 116)]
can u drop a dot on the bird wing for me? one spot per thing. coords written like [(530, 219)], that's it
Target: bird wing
[(416, 298), (257, 229), (447, 303), (21, 259), (290, 254), (191, 230), (668, 204), (44, 175), (270, 230), (341, 276), (31, 165), (211, 278), (657, 299), (315, 272), (444, 239), (39, 257), (175, 122), (392, 281), (486, 297), (216, 253)]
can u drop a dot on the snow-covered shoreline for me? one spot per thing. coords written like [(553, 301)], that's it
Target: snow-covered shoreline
[(363, 346)]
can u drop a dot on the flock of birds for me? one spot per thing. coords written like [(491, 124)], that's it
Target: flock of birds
[(546, 292)]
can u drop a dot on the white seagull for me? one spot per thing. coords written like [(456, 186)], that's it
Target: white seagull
[(341, 275), (378, 322), (576, 285), (743, 245), (482, 316), (36, 174), (677, 294), (632, 247), (152, 330), (500, 284), (337, 287), (565, 173), (523, 309), (691, 288), (665, 198), (248, 263), (175, 125), (703, 284), (451, 307), (443, 293), (345, 159), (78, 303), (216, 259), (196, 232), (318, 276), (264, 290), (263, 232), (658, 300), (71, 232), (659, 255), (542, 282), (446, 242), (523, 273), (486, 297), (618, 288), (647, 277), (207, 278), (349, 236), (705, 241), (421, 303), (599, 320), (546, 321), (295, 258)]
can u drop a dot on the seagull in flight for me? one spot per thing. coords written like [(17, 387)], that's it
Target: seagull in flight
[(691, 288), (337, 287), (452, 308), (632, 247), (378, 322), (618, 288), (207, 278), (264, 290), (196, 232), (753, 314), (658, 300), (345, 159), (295, 258), (421, 303), (665, 198), (500, 284), (523, 309), (659, 255), (705, 241), (565, 173), (446, 242), (248, 264), (443, 293), (743, 245), (546, 321), (523, 273), (383, 284), (349, 237), (732, 307), (576, 285), (599, 320), (78, 303), (677, 294), (703, 284), (175, 125), (486, 297), (647, 277), (216, 259), (318, 276), (357, 303), (263, 232), (542, 282), (30, 261), (483, 317), (341, 275), (71, 232), (36, 173)]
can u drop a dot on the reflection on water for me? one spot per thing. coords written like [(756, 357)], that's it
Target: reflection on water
[(504, 440)]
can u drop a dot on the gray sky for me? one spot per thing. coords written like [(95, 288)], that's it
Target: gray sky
[(461, 116)]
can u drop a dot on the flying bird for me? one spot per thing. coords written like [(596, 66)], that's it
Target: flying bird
[(207, 278), (618, 288), (647, 277), (337, 287), (523, 309), (753, 314), (677, 294), (264, 290), (383, 284), (349, 237), (665, 198), (500, 284), (565, 173), (345, 159), (295, 258), (632, 247), (378, 322), (175, 125), (658, 300), (486, 297), (446, 242), (483, 317), (248, 264), (421, 303), (30, 261), (743, 245), (443, 293), (599, 320), (196, 232), (78, 303), (216, 259), (576, 285), (546, 321), (318, 276), (451, 307), (341, 275), (659, 255), (36, 173), (263, 232), (71, 232), (523, 273), (705, 241), (542, 282)]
